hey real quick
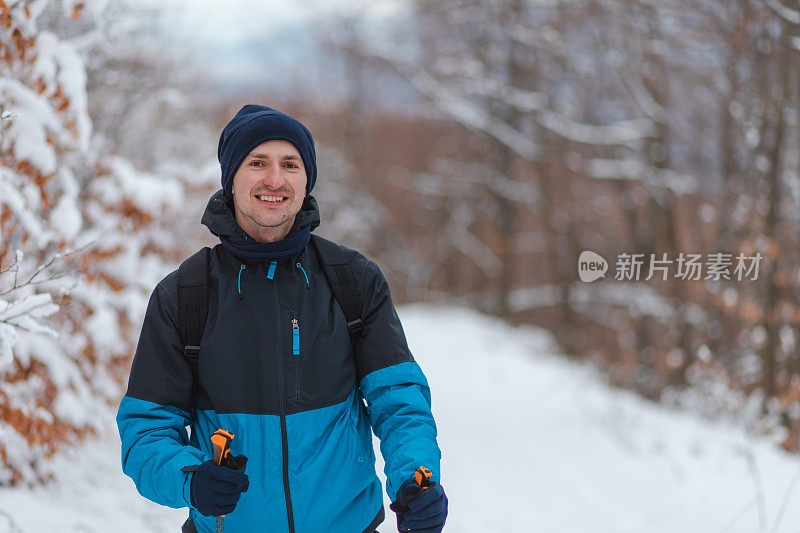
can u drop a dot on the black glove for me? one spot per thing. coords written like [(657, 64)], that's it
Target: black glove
[(420, 510), (215, 489)]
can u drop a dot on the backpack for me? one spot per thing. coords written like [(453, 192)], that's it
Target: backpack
[(193, 296)]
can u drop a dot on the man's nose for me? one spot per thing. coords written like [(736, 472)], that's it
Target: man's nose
[(273, 177)]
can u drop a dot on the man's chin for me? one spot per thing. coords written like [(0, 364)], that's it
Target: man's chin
[(273, 224)]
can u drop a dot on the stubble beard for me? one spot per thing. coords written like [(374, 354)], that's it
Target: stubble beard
[(269, 226)]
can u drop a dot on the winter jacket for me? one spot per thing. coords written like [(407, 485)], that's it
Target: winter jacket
[(277, 369)]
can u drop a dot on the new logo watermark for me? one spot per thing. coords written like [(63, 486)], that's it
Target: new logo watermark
[(591, 266), (631, 267)]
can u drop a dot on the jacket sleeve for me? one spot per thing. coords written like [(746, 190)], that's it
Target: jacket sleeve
[(154, 412), (394, 387)]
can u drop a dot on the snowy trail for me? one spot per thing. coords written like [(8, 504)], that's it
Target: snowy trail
[(568, 453), (530, 441)]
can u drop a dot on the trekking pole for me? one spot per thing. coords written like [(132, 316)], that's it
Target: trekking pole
[(221, 440)]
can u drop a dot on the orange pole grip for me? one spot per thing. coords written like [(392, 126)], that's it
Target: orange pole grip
[(221, 439), (423, 477)]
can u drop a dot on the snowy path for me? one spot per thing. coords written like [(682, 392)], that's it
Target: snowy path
[(530, 441), (569, 454)]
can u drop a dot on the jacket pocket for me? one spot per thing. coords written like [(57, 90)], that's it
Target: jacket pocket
[(294, 355)]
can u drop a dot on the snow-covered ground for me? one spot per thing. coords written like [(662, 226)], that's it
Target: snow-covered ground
[(530, 442)]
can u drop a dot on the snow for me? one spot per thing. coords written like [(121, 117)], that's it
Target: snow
[(633, 169), (450, 102), (150, 193), (624, 132), (60, 65), (56, 202), (66, 217), (635, 299), (21, 205), (572, 454), (20, 314), (786, 13), (531, 441), (103, 327), (31, 118)]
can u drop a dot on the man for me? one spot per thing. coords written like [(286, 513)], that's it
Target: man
[(277, 369)]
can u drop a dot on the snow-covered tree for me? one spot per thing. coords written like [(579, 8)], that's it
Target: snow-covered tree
[(615, 126), (83, 239)]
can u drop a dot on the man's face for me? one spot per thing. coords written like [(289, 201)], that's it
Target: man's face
[(273, 168)]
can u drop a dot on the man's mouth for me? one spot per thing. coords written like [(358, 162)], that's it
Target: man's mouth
[(269, 199)]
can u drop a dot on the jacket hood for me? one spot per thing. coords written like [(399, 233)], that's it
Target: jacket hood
[(220, 219)]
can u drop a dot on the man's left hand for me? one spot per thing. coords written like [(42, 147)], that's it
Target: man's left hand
[(420, 511)]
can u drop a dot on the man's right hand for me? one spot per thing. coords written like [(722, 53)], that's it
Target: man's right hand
[(216, 489)]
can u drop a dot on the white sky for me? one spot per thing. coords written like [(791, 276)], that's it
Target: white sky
[(234, 20), (258, 42)]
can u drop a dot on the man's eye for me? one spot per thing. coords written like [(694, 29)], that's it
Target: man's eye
[(256, 162), (293, 165)]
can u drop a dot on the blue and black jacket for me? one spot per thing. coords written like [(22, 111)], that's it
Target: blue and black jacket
[(277, 368)]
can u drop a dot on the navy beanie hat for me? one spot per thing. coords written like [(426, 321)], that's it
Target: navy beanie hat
[(255, 124)]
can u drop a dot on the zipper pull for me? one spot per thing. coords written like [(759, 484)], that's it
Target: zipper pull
[(298, 265), (295, 337), (271, 271), (239, 282)]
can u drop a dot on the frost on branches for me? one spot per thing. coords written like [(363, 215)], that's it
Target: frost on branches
[(78, 249)]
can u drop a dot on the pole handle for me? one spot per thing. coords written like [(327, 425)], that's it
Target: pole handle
[(221, 439), (422, 476)]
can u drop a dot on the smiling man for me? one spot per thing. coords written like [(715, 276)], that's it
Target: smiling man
[(291, 344)]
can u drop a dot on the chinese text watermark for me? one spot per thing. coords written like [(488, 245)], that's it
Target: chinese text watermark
[(691, 267)]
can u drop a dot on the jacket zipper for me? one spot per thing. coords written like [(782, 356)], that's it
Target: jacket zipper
[(295, 357), (281, 407)]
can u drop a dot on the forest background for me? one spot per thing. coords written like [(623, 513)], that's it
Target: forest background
[(474, 149)]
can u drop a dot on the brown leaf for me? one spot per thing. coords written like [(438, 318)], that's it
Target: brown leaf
[(77, 10), (5, 15)]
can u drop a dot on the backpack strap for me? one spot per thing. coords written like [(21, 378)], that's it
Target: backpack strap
[(340, 277), (193, 308)]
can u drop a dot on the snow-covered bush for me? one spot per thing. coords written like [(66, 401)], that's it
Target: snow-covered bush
[(80, 246)]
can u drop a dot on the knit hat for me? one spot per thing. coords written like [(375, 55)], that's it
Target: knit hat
[(255, 124)]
